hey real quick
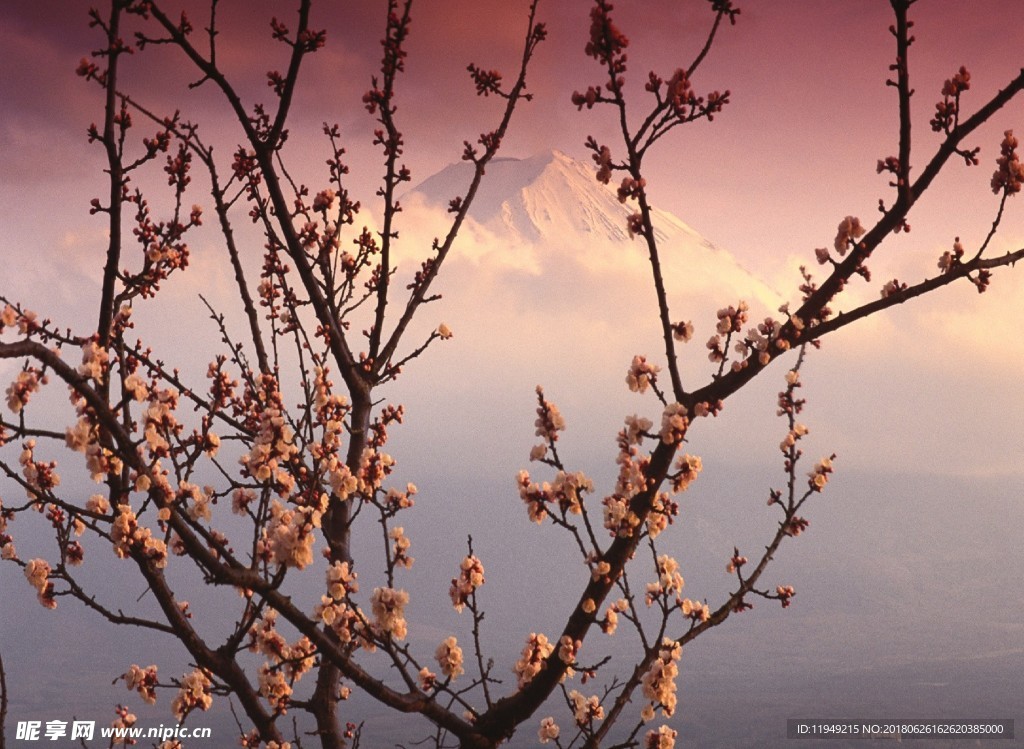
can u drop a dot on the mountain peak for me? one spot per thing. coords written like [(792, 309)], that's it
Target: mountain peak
[(541, 198), (553, 211)]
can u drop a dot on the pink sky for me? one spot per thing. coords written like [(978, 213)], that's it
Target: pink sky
[(792, 154), (768, 180)]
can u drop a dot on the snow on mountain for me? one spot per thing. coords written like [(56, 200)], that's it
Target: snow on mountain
[(548, 213)]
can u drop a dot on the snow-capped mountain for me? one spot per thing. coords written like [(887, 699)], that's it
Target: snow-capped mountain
[(549, 210)]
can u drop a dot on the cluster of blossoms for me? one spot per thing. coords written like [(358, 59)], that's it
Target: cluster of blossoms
[(735, 562), (37, 572), (785, 594), (286, 663), (818, 477), (83, 437), (659, 682), (849, 231), (274, 446), (641, 374), (603, 157), (663, 738), (892, 287), (674, 423), (566, 491), (548, 730), (688, 468), (7, 550), (39, 476), (662, 514), (95, 362), (24, 319), (194, 692), (682, 331), (1009, 176), (698, 612), (20, 391), (765, 340), (288, 536), (533, 658), (792, 437), (125, 719), (950, 259), (619, 519), (610, 622), (585, 710), (549, 423), (396, 500), (131, 538), (388, 607), (669, 582), (160, 421), (630, 189), (568, 648), (334, 610), (948, 110), (374, 467), (730, 321), (142, 680), (471, 577), (401, 546), (449, 658), (195, 500)]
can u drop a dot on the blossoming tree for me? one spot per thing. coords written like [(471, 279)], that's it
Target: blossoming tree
[(305, 478)]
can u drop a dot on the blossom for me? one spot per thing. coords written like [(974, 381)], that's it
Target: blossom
[(532, 660), (94, 361), (388, 606), (549, 421), (98, 503), (682, 331), (428, 679), (274, 687), (129, 537), (848, 231), (8, 317), (471, 577), (568, 647), (195, 691), (818, 477), (444, 332), (143, 681), (20, 391), (669, 580), (585, 709), (663, 738), (37, 572), (659, 684), (341, 581), (688, 468), (288, 536), (641, 375), (449, 658), (699, 612), (548, 730), (401, 547), (674, 423), (1009, 176), (949, 260), (636, 427), (785, 593)]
